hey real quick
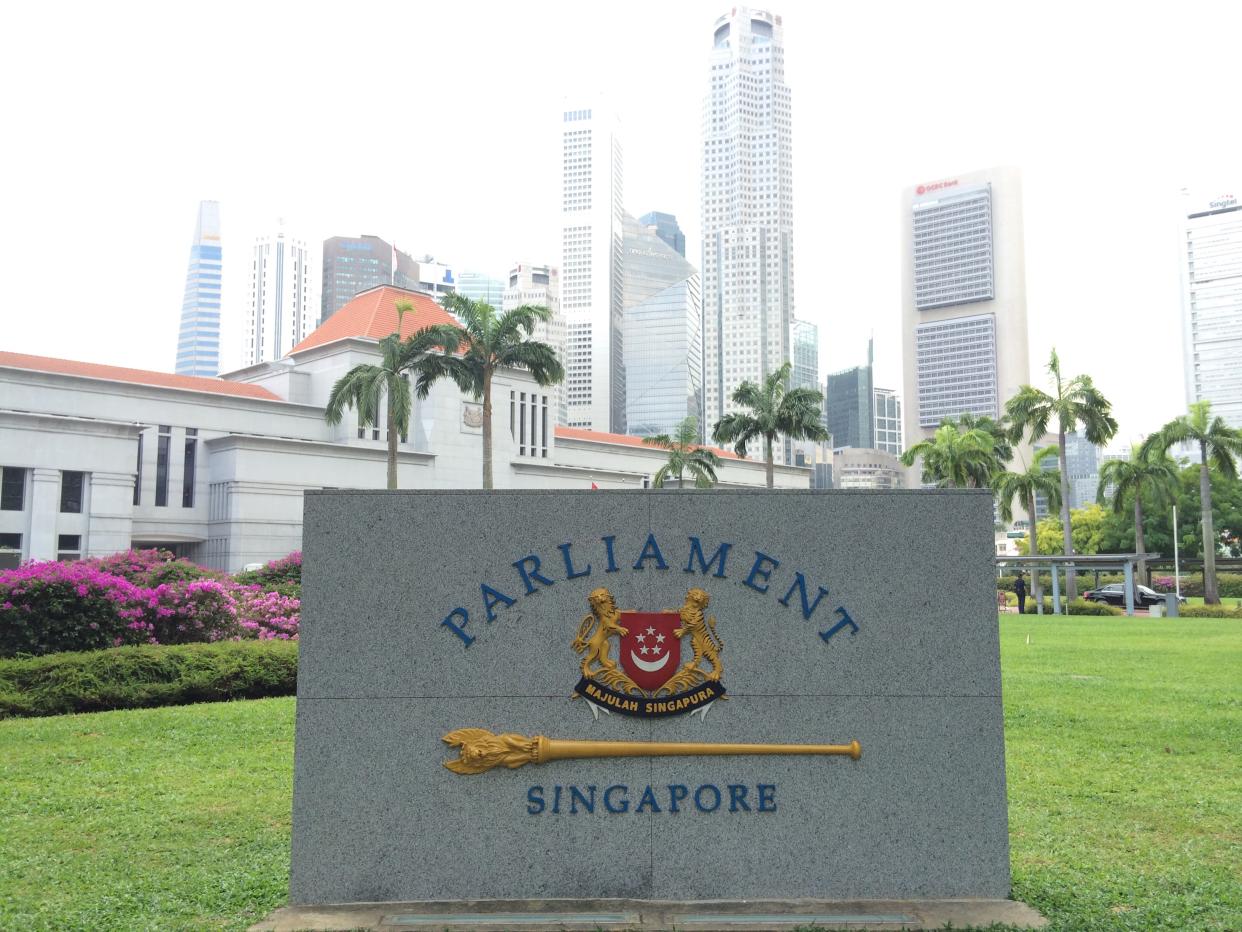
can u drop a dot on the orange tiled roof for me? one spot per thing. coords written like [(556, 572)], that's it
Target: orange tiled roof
[(90, 370), (373, 314), (579, 433)]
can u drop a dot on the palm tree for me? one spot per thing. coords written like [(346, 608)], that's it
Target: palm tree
[(1072, 402), (492, 341), (775, 410), (684, 454), (1133, 477), (1219, 445), (956, 458), (999, 431), (1025, 487), (365, 386)]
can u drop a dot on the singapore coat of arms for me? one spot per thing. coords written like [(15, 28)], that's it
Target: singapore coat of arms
[(650, 679)]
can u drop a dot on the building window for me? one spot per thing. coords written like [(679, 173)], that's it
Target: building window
[(71, 492), (187, 475), (13, 489), (10, 551), (138, 474), (161, 466), (69, 547)]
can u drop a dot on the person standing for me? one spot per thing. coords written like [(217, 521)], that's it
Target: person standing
[(1019, 589)]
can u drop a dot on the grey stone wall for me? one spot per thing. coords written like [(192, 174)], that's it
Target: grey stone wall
[(378, 817)]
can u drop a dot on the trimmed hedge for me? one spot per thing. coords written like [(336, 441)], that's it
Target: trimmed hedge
[(1210, 611), (1077, 607), (147, 675)]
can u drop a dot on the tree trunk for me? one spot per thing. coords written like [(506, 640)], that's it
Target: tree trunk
[(770, 469), (1067, 536), (1139, 546), (391, 425), (487, 428), (1033, 550), (1210, 595)]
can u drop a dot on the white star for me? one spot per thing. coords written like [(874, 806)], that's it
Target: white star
[(659, 639), (645, 650), (651, 630), (640, 638)]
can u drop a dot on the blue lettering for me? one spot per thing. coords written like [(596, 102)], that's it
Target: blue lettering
[(737, 797), (534, 800), (456, 629), (698, 800), (767, 797), (612, 560), (651, 551), (575, 794), (569, 563), (532, 573), (800, 585), (760, 571), (556, 800), (721, 554), (608, 804), (845, 620), (648, 800), (491, 598), (676, 793)]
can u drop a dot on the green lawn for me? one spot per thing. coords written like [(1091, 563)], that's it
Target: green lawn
[(1125, 787)]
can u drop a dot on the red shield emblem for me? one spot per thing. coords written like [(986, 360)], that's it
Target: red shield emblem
[(650, 652)]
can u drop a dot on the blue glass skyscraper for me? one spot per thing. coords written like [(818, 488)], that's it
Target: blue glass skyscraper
[(198, 344)]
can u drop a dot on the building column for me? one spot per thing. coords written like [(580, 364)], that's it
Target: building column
[(44, 508), (111, 518)]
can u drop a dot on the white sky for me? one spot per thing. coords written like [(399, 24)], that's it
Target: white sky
[(437, 127)]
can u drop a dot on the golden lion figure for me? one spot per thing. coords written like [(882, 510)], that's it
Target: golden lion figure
[(605, 619), (704, 641)]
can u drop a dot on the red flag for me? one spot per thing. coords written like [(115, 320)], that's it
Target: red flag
[(594, 486)]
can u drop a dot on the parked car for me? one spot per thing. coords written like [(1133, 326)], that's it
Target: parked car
[(1115, 594)]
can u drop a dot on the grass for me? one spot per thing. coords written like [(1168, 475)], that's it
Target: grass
[(1123, 739), (1125, 795)]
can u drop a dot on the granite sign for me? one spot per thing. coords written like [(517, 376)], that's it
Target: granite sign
[(522, 695)]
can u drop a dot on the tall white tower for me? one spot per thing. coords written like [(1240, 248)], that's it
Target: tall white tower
[(748, 269), (282, 309), (530, 283), (963, 298), (1211, 261), (591, 257)]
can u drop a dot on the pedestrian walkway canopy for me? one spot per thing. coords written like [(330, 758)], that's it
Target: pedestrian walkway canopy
[(1058, 564)]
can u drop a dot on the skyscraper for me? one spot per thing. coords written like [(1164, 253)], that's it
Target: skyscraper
[(964, 298), (479, 287), (667, 229), (591, 266), (353, 264), (540, 285), (662, 334), (888, 432), (282, 307), (198, 341), (805, 339), (747, 185), (850, 407), (1211, 264)]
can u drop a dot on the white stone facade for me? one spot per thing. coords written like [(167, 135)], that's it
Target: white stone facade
[(239, 500)]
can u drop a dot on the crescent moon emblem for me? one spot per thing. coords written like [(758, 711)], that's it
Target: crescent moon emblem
[(651, 665)]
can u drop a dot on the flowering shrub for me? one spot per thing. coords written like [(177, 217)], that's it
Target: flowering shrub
[(140, 597), (185, 612), (267, 615), (285, 570), (47, 607)]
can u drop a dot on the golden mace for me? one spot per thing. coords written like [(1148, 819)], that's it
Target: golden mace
[(481, 750)]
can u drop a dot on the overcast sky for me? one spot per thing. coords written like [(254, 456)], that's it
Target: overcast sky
[(437, 126)]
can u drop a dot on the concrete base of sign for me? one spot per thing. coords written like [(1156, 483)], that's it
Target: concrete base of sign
[(567, 915)]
